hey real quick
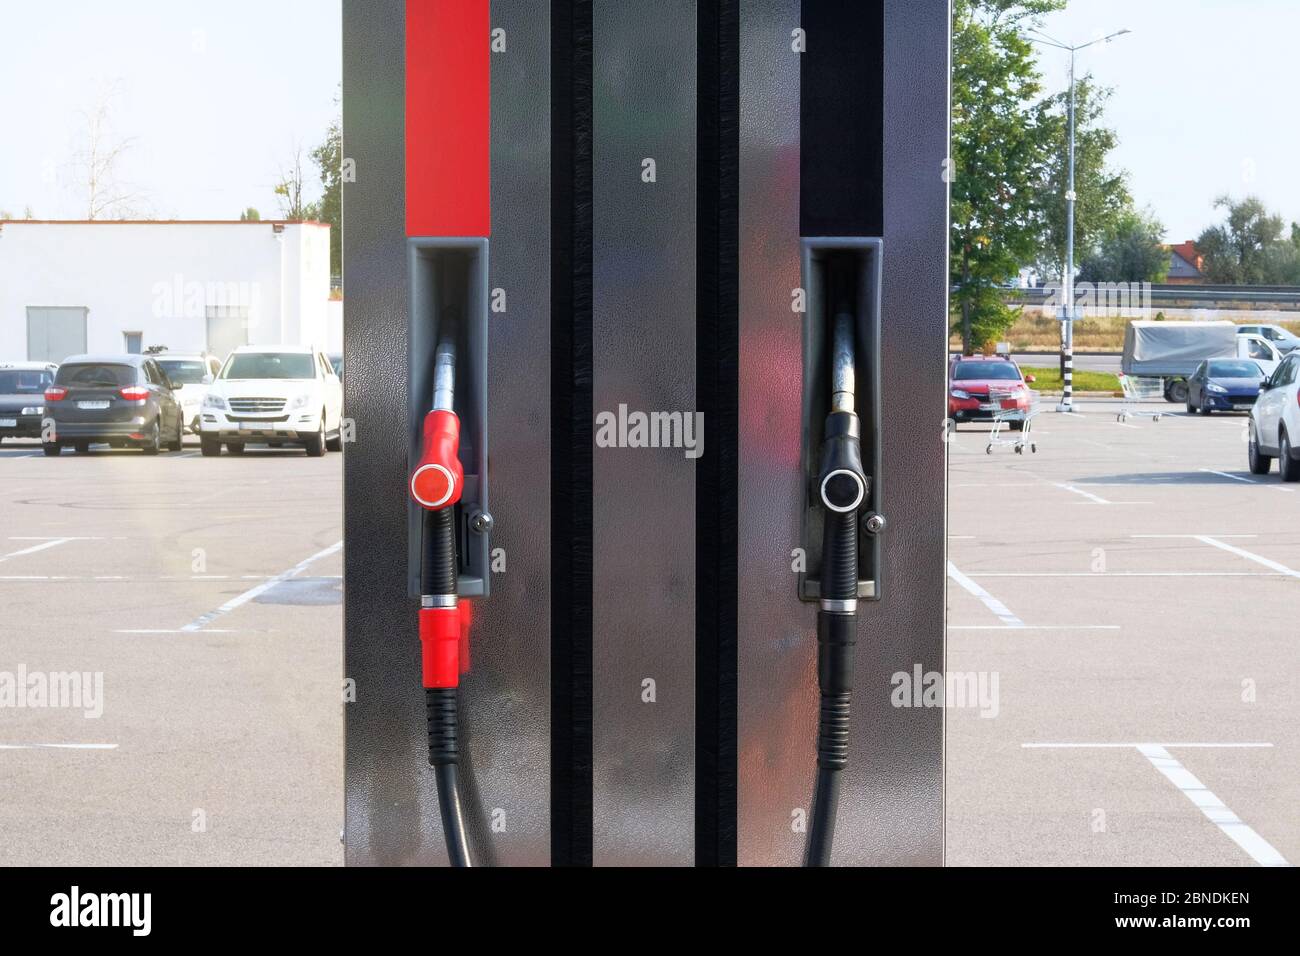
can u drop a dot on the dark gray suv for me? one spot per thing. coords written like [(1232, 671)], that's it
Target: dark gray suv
[(124, 400), (22, 397)]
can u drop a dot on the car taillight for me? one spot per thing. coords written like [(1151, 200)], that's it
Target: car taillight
[(56, 393), (134, 393)]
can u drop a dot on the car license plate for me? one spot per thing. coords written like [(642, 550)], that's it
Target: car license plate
[(988, 406), (8, 423), (92, 405)]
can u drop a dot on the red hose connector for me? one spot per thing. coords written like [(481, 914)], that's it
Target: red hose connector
[(438, 477), (444, 644), (440, 646)]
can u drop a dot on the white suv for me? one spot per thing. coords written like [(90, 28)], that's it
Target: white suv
[(275, 395), (196, 371), (1275, 422)]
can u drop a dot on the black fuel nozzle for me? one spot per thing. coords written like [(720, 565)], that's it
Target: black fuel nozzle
[(842, 485)]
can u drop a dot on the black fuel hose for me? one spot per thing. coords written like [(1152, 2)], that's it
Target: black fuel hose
[(444, 756), (842, 491), (836, 637)]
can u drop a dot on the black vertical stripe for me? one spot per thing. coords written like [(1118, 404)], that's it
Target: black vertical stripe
[(571, 433), (717, 390), (841, 118)]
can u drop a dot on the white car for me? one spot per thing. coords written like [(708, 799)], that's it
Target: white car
[(1260, 350), (196, 371), (1275, 422), (275, 395), (1284, 340)]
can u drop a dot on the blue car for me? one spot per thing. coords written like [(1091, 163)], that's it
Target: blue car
[(1224, 385)]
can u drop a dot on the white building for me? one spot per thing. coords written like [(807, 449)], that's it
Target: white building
[(70, 287)]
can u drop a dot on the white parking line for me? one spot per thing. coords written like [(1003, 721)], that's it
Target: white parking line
[(990, 602), (1249, 556), (1224, 474), (1033, 627), (135, 579), (1248, 481), (58, 746), (1125, 574), (1213, 534), (54, 543), (172, 630), (1128, 746), (251, 593), (1087, 494), (993, 484), (1259, 849)]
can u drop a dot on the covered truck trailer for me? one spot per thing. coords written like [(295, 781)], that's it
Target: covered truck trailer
[(1172, 350)]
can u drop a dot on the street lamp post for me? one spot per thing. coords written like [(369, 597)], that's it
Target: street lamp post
[(1067, 280)]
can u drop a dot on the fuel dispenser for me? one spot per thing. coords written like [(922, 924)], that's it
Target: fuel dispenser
[(448, 334), (565, 211), (840, 497)]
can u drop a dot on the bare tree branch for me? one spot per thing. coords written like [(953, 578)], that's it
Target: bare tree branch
[(289, 190), (96, 161)]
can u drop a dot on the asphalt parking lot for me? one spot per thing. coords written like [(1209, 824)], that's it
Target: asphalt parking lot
[(207, 594), (1131, 586), (1134, 590)]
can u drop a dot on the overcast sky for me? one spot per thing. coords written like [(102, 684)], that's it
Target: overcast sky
[(215, 95), (1203, 102)]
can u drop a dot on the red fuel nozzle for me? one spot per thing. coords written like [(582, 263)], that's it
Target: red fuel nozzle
[(438, 476)]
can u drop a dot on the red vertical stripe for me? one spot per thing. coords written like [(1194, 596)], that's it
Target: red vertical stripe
[(447, 118)]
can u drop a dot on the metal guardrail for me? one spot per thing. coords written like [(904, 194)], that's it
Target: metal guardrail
[(1205, 296)]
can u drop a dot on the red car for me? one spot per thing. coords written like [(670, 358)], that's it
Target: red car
[(971, 377)]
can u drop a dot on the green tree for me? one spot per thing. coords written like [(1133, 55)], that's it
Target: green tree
[(290, 192), (1243, 250), (1130, 249), (1101, 194), (999, 158), (250, 215), (328, 157)]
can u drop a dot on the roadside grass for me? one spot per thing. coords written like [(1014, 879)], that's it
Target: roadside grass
[(1032, 331), (1049, 380)]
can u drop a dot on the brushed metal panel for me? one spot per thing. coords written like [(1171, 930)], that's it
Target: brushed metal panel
[(776, 646), (891, 807), (391, 803), (507, 693), (644, 357), (903, 825)]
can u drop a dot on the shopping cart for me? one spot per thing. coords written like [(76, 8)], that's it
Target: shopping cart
[(1139, 389), (1005, 411)]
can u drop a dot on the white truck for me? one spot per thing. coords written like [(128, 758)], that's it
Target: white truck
[(1171, 351)]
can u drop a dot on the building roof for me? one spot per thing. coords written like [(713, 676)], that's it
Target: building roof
[(1185, 260)]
